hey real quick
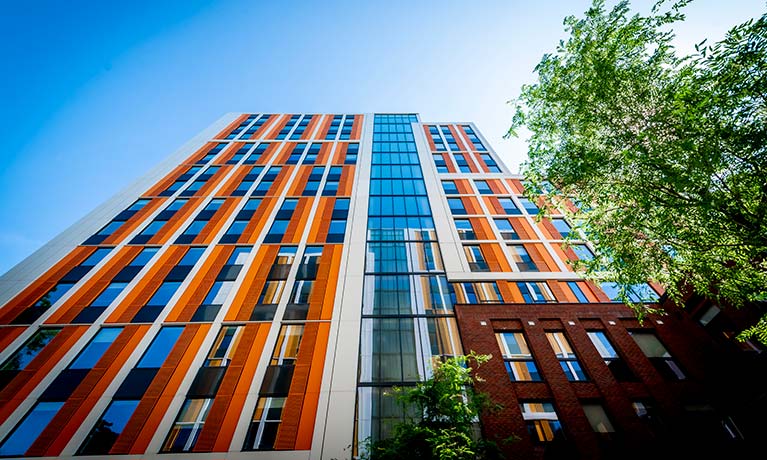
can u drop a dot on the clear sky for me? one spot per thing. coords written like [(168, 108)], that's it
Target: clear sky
[(95, 93)]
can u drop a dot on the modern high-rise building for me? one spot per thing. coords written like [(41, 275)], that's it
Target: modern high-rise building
[(257, 294)]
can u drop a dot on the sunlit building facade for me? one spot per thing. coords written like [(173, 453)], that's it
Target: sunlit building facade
[(259, 292)]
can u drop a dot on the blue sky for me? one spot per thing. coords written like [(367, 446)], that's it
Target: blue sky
[(95, 93)]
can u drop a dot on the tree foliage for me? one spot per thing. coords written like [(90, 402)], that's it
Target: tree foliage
[(664, 154), (444, 410)]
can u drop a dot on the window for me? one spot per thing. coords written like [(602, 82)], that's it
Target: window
[(201, 180), (351, 154), (399, 205), (439, 161), (280, 224), (270, 294), (255, 126), (438, 144), (407, 295), (218, 293), (598, 419), (200, 221), (53, 296), (212, 153), (299, 131), (31, 348), (335, 124), (476, 258), (346, 128), (483, 187), (542, 421), (635, 293), (648, 412), (463, 165), (473, 138), (582, 251), (95, 348), (509, 207), (311, 188), (658, 355), (150, 230), (449, 187), (311, 154), (71, 377), (517, 357), (400, 257), (449, 138), (185, 265), (109, 427), (529, 206), (244, 124), (160, 347), (506, 230), (223, 349), (567, 359), (456, 206), (465, 230), (159, 300), (536, 292), (492, 166), (163, 294), (108, 295), (522, 259), (138, 204), (263, 427), (389, 352), (337, 227), (173, 188), (188, 425), (117, 222), (577, 291), (613, 361), (474, 293), (33, 312), (240, 153), (291, 123), (27, 431), (95, 257), (302, 289), (562, 226)]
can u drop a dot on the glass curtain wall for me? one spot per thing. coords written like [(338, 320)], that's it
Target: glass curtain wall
[(407, 312)]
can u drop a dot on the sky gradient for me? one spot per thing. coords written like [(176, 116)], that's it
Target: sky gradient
[(96, 93)]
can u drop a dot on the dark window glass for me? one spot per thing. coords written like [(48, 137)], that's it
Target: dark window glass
[(612, 360), (143, 257), (31, 348), (509, 207), (96, 257), (483, 187), (577, 292), (449, 187), (506, 230), (161, 346), (96, 348), (25, 433), (529, 206), (163, 294), (108, 295), (456, 206), (108, 428)]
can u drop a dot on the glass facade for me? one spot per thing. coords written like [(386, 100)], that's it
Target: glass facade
[(407, 311)]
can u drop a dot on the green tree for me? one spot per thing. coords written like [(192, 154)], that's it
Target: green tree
[(664, 154), (444, 412)]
